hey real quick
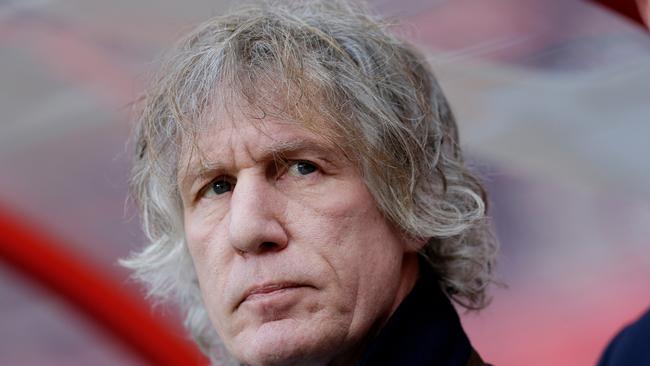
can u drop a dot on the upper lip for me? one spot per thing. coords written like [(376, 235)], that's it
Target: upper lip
[(266, 288)]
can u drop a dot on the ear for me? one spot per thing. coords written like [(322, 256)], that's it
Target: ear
[(413, 244)]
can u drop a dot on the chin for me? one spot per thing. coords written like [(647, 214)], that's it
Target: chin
[(284, 342)]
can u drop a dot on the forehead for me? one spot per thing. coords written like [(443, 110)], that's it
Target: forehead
[(224, 133)]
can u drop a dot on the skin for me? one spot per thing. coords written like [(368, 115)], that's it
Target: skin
[(296, 264)]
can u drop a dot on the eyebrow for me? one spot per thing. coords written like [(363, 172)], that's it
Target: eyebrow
[(279, 150)]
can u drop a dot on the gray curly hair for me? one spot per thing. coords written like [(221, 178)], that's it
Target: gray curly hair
[(382, 106)]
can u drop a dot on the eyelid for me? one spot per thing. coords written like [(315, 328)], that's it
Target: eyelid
[(281, 165), (287, 164), (203, 191)]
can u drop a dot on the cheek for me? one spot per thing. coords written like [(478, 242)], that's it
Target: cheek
[(203, 228), (330, 222), (208, 255), (349, 233), (212, 268), (339, 200), (196, 237)]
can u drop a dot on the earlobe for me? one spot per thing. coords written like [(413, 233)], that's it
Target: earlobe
[(414, 245)]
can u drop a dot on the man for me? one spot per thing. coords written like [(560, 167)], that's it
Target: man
[(305, 198)]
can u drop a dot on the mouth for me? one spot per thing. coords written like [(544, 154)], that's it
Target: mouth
[(260, 292)]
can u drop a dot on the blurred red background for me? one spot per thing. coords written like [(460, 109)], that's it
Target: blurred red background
[(552, 101)]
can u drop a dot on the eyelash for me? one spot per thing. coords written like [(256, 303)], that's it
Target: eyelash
[(283, 167)]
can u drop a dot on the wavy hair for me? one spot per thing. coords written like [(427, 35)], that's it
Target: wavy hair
[(375, 98)]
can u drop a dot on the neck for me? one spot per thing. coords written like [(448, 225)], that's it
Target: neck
[(410, 273), (408, 277)]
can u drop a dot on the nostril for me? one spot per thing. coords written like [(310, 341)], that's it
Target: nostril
[(268, 246)]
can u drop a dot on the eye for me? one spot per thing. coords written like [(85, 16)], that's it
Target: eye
[(302, 168), (220, 186)]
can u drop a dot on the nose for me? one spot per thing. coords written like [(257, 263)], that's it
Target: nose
[(255, 226)]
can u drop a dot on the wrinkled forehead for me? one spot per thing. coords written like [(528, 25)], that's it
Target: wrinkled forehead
[(223, 124), (257, 97), (280, 124)]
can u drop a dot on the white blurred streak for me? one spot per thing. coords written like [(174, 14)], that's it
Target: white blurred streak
[(55, 115), (590, 130), (480, 49), (10, 8)]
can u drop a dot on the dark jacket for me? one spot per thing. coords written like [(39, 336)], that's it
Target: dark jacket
[(631, 346), (424, 330)]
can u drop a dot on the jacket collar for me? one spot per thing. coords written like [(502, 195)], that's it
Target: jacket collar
[(424, 330)]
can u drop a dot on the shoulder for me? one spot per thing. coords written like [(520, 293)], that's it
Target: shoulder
[(630, 346)]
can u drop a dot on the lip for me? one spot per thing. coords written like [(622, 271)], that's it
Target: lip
[(256, 291)]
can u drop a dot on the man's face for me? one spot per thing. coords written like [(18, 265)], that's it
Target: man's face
[(295, 262)]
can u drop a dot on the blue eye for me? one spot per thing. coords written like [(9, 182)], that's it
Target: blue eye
[(304, 168), (221, 186)]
